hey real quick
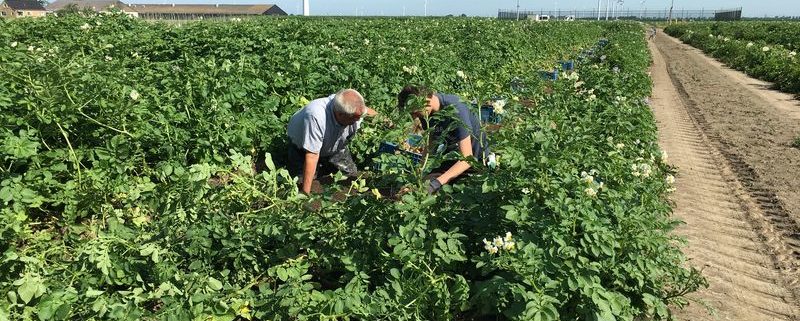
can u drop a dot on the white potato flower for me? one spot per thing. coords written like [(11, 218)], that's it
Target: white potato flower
[(750, 44), (461, 74), (498, 106), (590, 191), (670, 179), (14, 44), (498, 241), (86, 26), (134, 94), (765, 49)]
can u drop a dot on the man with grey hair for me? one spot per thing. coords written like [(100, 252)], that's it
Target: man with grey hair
[(319, 134)]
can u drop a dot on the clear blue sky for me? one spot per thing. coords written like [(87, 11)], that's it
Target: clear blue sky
[(489, 8)]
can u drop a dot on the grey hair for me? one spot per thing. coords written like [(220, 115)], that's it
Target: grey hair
[(348, 102)]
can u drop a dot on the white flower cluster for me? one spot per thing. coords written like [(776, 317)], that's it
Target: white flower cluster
[(134, 95), (792, 54), (500, 244), (643, 170), (619, 146), (711, 35), (14, 44), (461, 74), (750, 44), (334, 46), (670, 181), (578, 84), (726, 39), (366, 42), (411, 70), (765, 49), (86, 26), (498, 106), (572, 76), (594, 187), (664, 156)]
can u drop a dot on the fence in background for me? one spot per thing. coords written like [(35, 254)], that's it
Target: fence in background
[(639, 14)]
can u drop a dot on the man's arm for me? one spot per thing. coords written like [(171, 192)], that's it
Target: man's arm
[(309, 170), (371, 112), (465, 146)]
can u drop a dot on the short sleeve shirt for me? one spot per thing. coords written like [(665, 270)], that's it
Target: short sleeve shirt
[(315, 129), (459, 124)]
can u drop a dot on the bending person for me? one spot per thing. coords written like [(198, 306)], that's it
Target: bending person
[(461, 132), (319, 134)]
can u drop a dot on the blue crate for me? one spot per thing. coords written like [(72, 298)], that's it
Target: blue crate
[(489, 116), (387, 148), (391, 148), (549, 75), (414, 140), (567, 65)]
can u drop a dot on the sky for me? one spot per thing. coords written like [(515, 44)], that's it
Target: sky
[(751, 8)]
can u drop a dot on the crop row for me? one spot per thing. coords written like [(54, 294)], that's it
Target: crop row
[(761, 58), (772, 33), (141, 175)]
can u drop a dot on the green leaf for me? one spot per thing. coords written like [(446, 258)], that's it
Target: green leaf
[(268, 161), (27, 291), (214, 284), (395, 273)]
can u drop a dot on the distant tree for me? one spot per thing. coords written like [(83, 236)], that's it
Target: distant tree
[(463, 15), (74, 9)]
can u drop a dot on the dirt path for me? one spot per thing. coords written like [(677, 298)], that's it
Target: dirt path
[(745, 255)]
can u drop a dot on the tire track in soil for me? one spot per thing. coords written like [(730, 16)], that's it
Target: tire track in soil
[(743, 258)]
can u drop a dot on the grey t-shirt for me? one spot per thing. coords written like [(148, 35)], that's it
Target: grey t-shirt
[(314, 128)]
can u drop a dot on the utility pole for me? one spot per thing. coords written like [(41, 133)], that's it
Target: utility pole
[(517, 10), (599, 5), (608, 5), (672, 4), (426, 8), (306, 9)]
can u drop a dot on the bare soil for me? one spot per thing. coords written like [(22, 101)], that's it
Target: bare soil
[(737, 189)]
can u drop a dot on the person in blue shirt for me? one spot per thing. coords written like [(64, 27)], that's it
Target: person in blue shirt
[(452, 124)]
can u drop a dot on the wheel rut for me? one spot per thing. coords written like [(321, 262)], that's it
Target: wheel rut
[(730, 225)]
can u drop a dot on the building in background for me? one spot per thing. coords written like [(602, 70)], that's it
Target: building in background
[(21, 8), (204, 11), (102, 6)]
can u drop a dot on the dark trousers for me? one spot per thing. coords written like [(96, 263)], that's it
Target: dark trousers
[(341, 161)]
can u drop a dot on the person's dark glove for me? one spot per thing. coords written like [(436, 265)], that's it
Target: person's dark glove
[(434, 186)]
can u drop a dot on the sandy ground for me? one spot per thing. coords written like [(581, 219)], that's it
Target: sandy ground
[(737, 189)]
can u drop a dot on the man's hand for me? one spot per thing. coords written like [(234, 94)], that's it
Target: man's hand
[(434, 186), (309, 170)]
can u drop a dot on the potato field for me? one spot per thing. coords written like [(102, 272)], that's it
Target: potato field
[(142, 174)]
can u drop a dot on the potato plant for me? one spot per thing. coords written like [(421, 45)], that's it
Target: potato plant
[(764, 50), (141, 175)]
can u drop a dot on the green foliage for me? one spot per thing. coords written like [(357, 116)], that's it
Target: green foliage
[(764, 50), (129, 192)]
